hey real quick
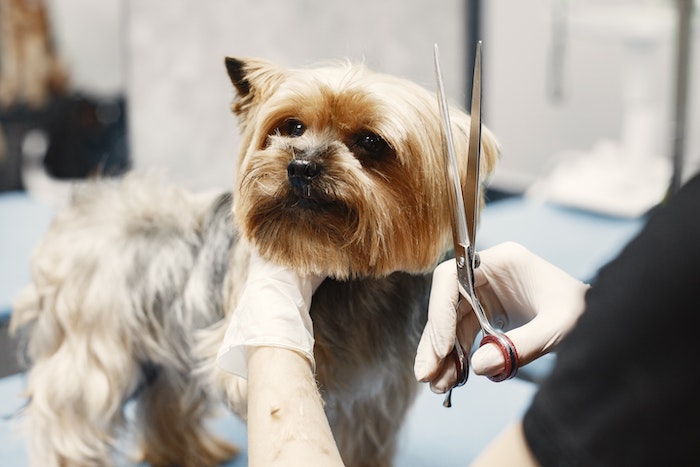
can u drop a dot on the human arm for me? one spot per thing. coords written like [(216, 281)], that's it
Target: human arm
[(270, 343), (287, 425), (508, 448)]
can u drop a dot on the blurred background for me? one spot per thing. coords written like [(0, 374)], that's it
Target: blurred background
[(100, 87), (595, 103)]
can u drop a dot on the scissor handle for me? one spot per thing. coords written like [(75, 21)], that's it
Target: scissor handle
[(503, 343), (510, 355), (461, 360)]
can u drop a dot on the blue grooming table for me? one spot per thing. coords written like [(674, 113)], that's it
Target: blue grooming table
[(433, 435), (578, 242), (22, 222)]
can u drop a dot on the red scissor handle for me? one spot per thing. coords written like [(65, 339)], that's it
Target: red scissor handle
[(510, 355)]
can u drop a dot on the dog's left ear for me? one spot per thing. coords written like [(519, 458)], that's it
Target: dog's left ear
[(234, 67), (254, 79)]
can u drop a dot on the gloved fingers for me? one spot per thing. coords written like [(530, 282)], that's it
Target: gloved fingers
[(526, 284), (468, 326), (444, 291), (273, 311), (534, 301), (531, 340), (442, 371), (448, 370), (260, 269), (439, 333), (428, 363), (488, 359), (433, 356), (265, 316), (505, 273), (492, 306), (445, 378), (316, 281)]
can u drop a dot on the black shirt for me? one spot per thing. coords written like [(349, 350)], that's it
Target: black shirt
[(624, 390)]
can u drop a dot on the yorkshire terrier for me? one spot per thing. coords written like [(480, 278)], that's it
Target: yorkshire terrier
[(341, 173)]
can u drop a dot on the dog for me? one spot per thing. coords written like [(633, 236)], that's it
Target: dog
[(341, 172)]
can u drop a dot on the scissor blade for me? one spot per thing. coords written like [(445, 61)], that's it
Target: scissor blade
[(474, 157), (460, 235)]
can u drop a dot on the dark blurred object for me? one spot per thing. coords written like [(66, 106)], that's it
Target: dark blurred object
[(473, 35), (86, 137), (15, 124), (40, 120)]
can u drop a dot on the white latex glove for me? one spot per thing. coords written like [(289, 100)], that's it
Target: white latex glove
[(533, 300), (273, 311)]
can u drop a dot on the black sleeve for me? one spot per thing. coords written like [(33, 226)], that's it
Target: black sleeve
[(625, 390)]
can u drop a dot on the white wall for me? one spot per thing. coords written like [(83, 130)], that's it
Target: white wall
[(169, 53), (89, 37), (533, 129), (179, 93)]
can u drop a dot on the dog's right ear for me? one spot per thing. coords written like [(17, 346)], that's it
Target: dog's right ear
[(254, 79)]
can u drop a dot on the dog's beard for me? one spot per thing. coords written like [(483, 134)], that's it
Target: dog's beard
[(341, 223)]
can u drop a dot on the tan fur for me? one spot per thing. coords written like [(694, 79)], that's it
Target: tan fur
[(30, 70), (134, 283), (377, 204)]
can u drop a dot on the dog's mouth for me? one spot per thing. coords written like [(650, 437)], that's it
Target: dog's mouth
[(306, 203), (309, 199)]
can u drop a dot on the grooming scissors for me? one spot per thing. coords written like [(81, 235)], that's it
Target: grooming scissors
[(465, 214)]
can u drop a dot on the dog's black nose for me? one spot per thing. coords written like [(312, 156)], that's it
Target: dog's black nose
[(302, 170), (300, 173)]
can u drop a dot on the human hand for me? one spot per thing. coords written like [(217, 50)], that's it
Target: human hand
[(535, 302), (273, 311)]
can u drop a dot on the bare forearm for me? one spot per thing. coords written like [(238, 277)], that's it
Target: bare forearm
[(286, 422), (508, 448)]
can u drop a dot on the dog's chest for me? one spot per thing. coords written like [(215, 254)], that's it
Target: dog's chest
[(367, 331)]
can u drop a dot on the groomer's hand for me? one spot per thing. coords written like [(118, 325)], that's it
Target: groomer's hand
[(533, 300), (273, 311)]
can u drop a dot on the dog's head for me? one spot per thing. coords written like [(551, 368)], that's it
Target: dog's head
[(341, 171)]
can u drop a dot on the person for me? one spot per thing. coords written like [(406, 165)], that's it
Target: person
[(623, 390)]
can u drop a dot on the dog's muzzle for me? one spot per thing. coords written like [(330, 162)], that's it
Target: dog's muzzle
[(301, 173)]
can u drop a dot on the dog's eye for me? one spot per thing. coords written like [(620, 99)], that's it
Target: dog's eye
[(371, 143), (291, 127)]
